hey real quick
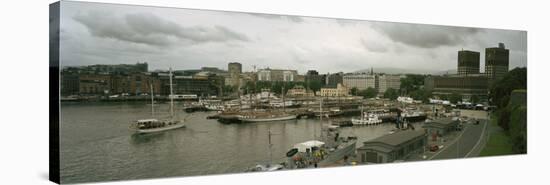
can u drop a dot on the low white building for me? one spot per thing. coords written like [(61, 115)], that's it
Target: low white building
[(340, 90)]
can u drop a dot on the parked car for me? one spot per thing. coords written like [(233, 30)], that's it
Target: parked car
[(434, 148)]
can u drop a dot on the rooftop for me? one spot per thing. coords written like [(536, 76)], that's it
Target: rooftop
[(443, 121), (399, 137)]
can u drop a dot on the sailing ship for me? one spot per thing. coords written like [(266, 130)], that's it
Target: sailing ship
[(152, 125), (267, 116)]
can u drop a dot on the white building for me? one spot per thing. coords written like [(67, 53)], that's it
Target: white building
[(340, 90), (277, 75), (359, 81), (388, 81)]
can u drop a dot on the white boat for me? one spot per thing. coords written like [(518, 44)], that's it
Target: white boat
[(366, 119), (154, 125)]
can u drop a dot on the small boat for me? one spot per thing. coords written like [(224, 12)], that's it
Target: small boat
[(413, 115)]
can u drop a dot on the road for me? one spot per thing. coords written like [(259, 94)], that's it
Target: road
[(464, 144)]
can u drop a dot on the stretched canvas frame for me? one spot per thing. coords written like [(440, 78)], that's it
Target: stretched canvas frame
[(146, 92)]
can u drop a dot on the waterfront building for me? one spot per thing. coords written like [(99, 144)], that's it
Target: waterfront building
[(440, 126), (391, 147), (275, 75), (299, 91), (90, 84), (467, 86), (468, 62), (70, 84), (186, 85), (360, 81), (339, 90), (388, 81), (496, 62)]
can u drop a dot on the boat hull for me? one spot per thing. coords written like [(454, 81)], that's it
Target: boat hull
[(153, 130), (283, 118), (365, 122), (415, 118)]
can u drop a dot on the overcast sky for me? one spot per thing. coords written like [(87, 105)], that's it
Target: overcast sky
[(93, 33)]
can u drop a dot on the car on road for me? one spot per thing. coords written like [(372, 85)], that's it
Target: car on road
[(434, 148)]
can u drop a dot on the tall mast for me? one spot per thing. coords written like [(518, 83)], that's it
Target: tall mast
[(152, 101), (283, 94), (320, 118), (171, 95), (270, 145), (362, 113)]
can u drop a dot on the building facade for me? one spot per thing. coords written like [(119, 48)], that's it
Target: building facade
[(359, 81), (235, 70), (466, 86), (340, 90), (276, 75), (97, 84), (468, 62), (299, 91), (497, 61), (386, 82)]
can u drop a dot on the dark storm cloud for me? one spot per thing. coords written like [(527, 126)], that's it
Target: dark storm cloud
[(425, 36), (146, 28)]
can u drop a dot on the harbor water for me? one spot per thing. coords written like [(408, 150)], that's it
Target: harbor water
[(98, 145)]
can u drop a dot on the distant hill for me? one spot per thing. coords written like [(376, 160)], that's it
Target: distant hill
[(388, 70)]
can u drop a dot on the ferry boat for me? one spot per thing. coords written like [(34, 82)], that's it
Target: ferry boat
[(413, 115), (152, 125), (367, 118)]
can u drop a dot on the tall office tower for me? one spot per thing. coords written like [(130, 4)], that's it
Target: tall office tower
[(468, 62), (235, 70), (497, 61)]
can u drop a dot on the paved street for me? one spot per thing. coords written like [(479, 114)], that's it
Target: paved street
[(459, 148)]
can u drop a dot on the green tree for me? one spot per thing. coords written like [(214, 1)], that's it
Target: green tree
[(518, 129), (474, 99), (368, 93), (354, 91), (412, 82), (500, 91), (391, 94), (455, 98)]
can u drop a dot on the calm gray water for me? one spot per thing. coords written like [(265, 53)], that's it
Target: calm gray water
[(97, 144)]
